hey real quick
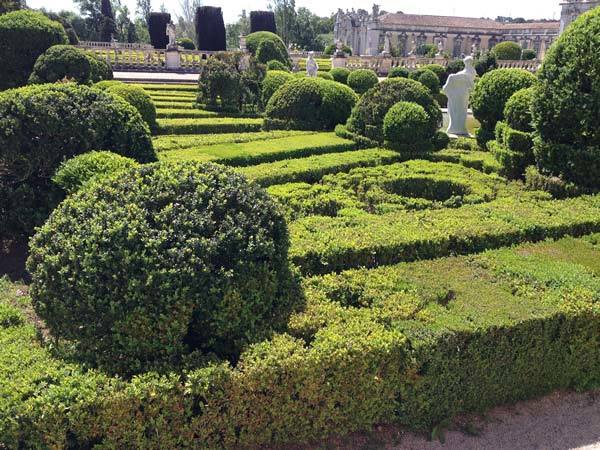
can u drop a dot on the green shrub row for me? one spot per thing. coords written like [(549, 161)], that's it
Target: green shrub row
[(162, 88), (208, 126), (172, 104), (177, 112), (325, 244), (412, 344), (313, 168), (256, 152), (482, 161)]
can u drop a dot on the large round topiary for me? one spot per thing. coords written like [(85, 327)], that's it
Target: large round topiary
[(59, 62), (406, 128), (430, 80), (141, 268), (517, 112), (362, 80), (277, 65), (440, 72), (566, 105), (309, 104), (269, 51), (398, 72), (491, 94), (25, 35), (368, 115), (254, 40), (137, 97), (43, 125), (340, 74), (101, 69), (507, 51), (273, 81)]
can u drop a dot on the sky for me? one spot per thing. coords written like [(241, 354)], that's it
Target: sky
[(529, 9)]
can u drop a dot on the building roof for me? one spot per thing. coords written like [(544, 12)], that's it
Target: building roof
[(416, 20)]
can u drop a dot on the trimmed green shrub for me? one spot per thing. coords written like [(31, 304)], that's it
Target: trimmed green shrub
[(430, 80), (105, 84), (139, 99), (262, 21), (340, 74), (59, 62), (142, 268), (485, 63), (441, 140), (566, 105), (24, 36), (77, 172), (42, 126), (332, 48), (268, 50), (210, 29), (454, 66), (367, 117), (507, 51), (277, 65), (406, 128), (557, 187), (325, 76), (528, 54), (253, 41), (100, 69), (210, 125), (362, 80), (491, 94), (440, 72), (309, 104), (186, 43), (273, 81), (398, 72), (517, 111)]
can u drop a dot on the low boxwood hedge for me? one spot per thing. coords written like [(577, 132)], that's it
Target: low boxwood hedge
[(208, 126)]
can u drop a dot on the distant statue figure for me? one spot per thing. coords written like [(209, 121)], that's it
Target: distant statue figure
[(474, 49), (339, 49), (387, 44), (311, 65), (457, 89), (413, 48), (171, 33), (375, 12), (440, 48)]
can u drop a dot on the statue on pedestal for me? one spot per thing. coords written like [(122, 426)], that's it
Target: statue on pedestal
[(171, 32), (457, 89), (387, 44), (311, 65)]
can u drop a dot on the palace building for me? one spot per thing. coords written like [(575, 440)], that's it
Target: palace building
[(369, 33)]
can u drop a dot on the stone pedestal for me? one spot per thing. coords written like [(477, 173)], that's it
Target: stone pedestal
[(338, 61), (172, 60), (385, 64)]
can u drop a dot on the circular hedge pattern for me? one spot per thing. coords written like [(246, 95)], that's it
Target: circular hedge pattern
[(517, 111), (368, 115), (59, 62), (406, 127), (310, 104), (139, 99), (142, 268), (566, 105), (25, 35), (362, 80)]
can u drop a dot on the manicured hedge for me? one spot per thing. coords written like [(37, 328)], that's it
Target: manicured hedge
[(211, 125), (362, 80), (176, 111), (100, 69), (398, 72), (157, 26), (273, 81), (482, 161), (60, 62), (407, 344), (406, 128), (139, 99), (262, 21), (25, 35), (507, 51), (340, 74), (210, 29)]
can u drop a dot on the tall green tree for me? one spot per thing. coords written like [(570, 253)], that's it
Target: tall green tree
[(143, 9), (185, 20), (108, 27), (285, 17), (233, 31)]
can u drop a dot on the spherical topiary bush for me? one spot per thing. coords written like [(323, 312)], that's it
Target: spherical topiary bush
[(362, 80), (268, 51), (367, 117), (25, 35), (507, 51), (309, 104), (528, 54), (517, 112), (61, 61), (139, 269), (430, 80), (101, 70), (186, 44), (325, 76), (566, 103), (398, 72), (77, 172), (406, 128), (139, 99), (43, 125), (277, 65), (105, 84), (490, 95), (340, 74), (273, 81), (253, 41)]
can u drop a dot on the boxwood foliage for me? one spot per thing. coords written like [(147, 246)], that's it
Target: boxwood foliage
[(262, 21), (398, 72), (507, 51), (367, 117), (277, 65), (309, 104), (273, 81), (254, 40), (406, 128), (210, 29), (141, 268), (157, 26), (517, 112), (430, 80), (340, 74), (490, 95), (138, 98), (42, 126), (362, 80), (59, 62), (75, 173), (100, 69), (566, 105), (25, 35)]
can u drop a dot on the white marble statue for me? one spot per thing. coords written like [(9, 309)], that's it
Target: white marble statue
[(440, 48), (387, 44), (311, 65), (171, 33), (457, 89)]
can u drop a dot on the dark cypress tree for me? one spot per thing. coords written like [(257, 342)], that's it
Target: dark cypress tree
[(108, 28), (157, 27), (262, 21), (210, 29), (132, 36)]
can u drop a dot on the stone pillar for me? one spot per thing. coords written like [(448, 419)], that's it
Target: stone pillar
[(172, 59)]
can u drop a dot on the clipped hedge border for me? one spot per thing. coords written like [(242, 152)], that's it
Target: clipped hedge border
[(208, 126)]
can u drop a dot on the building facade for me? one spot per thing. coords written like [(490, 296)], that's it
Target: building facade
[(369, 33)]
